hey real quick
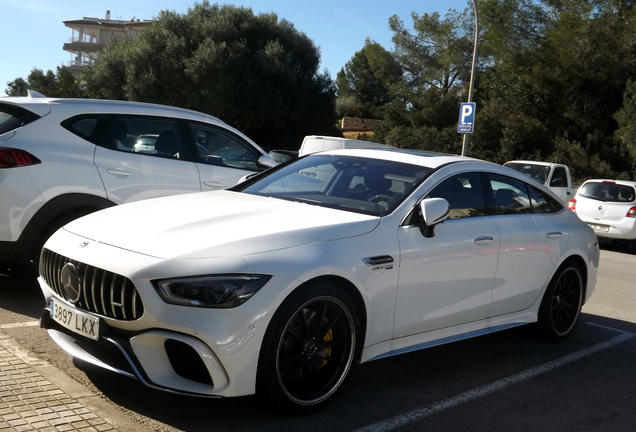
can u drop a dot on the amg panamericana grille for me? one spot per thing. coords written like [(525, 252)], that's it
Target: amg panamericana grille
[(101, 292)]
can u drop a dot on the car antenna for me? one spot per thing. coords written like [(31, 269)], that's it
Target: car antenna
[(33, 94)]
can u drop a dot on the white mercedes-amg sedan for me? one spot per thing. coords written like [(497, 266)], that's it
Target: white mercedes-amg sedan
[(281, 284)]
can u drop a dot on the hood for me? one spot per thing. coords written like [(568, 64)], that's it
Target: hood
[(217, 224)]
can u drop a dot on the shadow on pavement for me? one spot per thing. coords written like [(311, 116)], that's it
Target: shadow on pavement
[(381, 389), (20, 292)]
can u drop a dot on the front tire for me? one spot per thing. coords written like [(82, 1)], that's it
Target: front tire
[(309, 349), (561, 305)]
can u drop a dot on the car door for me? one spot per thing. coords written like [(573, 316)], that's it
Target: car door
[(142, 157), (221, 156), (532, 239), (559, 183), (447, 280)]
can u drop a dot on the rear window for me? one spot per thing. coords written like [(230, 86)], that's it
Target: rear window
[(13, 117), (607, 191)]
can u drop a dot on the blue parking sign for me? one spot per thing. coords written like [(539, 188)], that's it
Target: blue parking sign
[(466, 118)]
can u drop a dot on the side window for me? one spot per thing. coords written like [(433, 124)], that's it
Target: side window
[(84, 127), (89, 127), (543, 203), (559, 178), (218, 147), (510, 195), (464, 193), (155, 137)]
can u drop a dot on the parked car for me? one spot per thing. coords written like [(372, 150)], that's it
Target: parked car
[(145, 144), (609, 207), (315, 143), (64, 158), (555, 176), (281, 284)]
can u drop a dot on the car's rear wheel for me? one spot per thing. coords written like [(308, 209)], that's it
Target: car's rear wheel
[(561, 305), (309, 349)]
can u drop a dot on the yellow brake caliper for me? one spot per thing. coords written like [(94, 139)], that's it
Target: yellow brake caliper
[(328, 338)]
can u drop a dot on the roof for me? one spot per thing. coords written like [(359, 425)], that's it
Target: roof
[(104, 22), (533, 162), (416, 157), (42, 105), (618, 182)]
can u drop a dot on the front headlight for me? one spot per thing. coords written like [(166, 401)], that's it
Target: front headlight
[(219, 291)]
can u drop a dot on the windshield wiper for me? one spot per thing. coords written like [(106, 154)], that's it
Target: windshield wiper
[(595, 198)]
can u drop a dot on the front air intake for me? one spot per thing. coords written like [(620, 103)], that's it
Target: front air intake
[(186, 362)]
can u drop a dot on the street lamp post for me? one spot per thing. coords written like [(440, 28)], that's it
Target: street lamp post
[(472, 72)]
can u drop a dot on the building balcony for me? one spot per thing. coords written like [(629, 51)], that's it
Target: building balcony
[(78, 63), (82, 46)]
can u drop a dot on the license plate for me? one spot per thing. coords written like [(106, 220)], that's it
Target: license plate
[(602, 228), (74, 320)]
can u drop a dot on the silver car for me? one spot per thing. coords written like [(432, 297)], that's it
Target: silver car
[(609, 207)]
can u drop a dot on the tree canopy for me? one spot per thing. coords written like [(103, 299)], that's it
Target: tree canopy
[(255, 72), (59, 84), (553, 83)]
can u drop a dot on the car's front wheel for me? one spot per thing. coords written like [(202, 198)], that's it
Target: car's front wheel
[(561, 305), (309, 349)]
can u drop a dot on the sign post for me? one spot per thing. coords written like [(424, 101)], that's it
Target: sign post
[(472, 81)]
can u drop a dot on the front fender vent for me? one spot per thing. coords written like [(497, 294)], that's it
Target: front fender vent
[(102, 292)]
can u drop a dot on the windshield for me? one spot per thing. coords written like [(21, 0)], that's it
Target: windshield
[(607, 191), (537, 172), (363, 185)]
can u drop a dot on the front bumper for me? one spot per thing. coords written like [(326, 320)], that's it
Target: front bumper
[(163, 360)]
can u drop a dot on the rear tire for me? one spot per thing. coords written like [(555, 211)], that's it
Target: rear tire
[(561, 305), (309, 349)]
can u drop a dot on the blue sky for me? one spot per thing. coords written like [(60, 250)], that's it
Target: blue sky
[(32, 31)]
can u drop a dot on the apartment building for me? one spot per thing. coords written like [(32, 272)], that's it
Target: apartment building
[(91, 35)]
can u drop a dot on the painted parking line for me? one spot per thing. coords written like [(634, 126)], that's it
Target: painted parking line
[(437, 407), (17, 325)]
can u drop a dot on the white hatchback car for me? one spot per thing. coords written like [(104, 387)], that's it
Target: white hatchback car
[(283, 283), (64, 158), (609, 207)]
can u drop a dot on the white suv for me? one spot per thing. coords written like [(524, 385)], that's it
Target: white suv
[(64, 158)]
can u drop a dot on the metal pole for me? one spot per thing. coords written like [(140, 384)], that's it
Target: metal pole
[(472, 73)]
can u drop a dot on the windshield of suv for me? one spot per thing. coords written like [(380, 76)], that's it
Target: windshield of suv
[(362, 185), (537, 172), (607, 191)]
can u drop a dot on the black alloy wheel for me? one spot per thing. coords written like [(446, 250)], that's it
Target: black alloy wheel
[(561, 305), (315, 340)]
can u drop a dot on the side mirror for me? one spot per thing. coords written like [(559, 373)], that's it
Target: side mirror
[(266, 162), (434, 212)]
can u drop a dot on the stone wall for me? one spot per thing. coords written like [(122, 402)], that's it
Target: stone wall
[(352, 124)]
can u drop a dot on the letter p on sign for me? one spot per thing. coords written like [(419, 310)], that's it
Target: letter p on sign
[(466, 118)]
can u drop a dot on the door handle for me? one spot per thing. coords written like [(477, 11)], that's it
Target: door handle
[(483, 240), (119, 173), (554, 235), (214, 184)]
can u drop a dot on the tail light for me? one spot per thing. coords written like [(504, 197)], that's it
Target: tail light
[(631, 213), (572, 204), (10, 158)]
